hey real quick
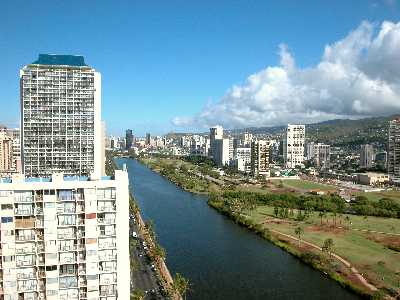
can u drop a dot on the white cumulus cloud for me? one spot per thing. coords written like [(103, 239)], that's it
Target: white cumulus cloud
[(357, 76)]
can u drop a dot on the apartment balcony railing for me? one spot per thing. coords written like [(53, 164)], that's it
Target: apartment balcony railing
[(25, 263), (26, 275), (25, 238)]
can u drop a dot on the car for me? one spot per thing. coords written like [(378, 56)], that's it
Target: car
[(134, 234)]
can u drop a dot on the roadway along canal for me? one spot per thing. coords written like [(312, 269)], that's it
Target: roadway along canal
[(221, 259)]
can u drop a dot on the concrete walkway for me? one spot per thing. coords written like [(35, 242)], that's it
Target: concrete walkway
[(341, 259)]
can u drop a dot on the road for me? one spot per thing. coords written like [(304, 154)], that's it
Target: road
[(143, 277)]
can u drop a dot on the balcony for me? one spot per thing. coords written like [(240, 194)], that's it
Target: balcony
[(25, 238)]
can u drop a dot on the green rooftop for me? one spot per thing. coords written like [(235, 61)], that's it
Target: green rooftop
[(60, 60)]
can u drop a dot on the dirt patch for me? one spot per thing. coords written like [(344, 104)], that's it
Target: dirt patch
[(327, 228), (276, 221), (391, 242)]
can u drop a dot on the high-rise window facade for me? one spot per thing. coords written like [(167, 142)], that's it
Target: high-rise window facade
[(293, 145), (60, 116), (64, 239), (393, 158)]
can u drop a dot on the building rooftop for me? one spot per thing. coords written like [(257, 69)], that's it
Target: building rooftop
[(60, 60), (21, 178)]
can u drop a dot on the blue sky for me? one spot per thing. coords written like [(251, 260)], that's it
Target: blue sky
[(164, 59)]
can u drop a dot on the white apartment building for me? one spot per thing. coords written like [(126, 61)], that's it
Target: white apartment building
[(393, 157), (61, 129), (216, 133), (242, 158), (223, 151), (65, 238), (293, 145), (260, 155)]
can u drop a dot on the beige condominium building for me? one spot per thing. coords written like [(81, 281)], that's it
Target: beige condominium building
[(260, 152), (64, 238)]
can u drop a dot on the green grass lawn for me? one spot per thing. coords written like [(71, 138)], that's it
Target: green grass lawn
[(304, 185), (379, 263), (376, 196)]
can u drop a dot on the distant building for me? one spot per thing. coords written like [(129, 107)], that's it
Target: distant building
[(148, 139), (216, 133), (60, 118), (260, 156), (321, 155), (310, 148), (6, 152), (129, 139), (223, 151), (14, 133), (381, 159), (367, 156), (394, 150), (242, 159), (372, 178), (293, 145)]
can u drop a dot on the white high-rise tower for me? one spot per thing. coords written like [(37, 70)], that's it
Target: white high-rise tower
[(60, 117), (293, 145)]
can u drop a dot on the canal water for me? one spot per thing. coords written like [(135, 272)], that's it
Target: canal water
[(221, 259)]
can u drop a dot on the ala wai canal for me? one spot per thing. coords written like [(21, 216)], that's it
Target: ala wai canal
[(221, 259)]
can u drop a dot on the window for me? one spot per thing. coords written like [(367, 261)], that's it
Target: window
[(6, 206), (49, 205), (51, 268), (8, 258), (91, 216), (91, 241), (6, 219)]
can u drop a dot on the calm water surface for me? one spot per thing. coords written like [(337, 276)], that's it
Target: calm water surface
[(221, 259)]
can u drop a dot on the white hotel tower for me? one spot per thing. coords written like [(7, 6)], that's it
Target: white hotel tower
[(293, 145), (60, 117), (63, 236)]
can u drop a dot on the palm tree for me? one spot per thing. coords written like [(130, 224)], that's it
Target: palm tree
[(299, 231), (137, 295), (334, 214), (347, 218), (276, 211), (180, 285), (321, 215), (328, 246)]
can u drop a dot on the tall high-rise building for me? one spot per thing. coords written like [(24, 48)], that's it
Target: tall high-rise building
[(6, 152), (393, 158), (223, 151), (322, 155), (65, 239), (14, 133), (260, 155), (293, 145), (148, 139), (60, 116), (242, 159), (367, 156), (216, 133), (129, 138)]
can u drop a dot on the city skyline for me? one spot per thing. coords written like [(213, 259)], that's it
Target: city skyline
[(174, 49)]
